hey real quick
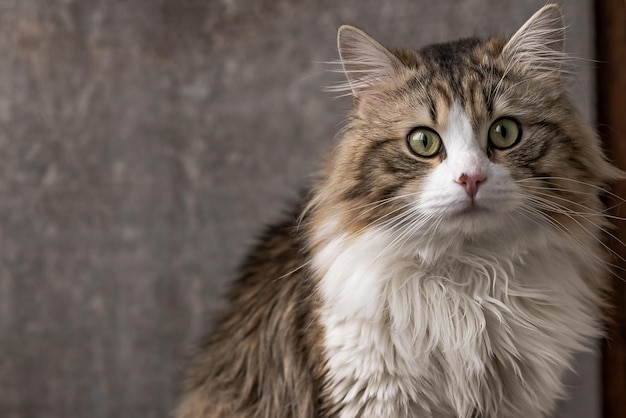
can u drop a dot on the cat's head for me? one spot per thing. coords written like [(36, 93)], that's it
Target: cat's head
[(461, 141)]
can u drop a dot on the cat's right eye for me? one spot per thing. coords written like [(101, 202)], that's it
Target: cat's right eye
[(424, 142)]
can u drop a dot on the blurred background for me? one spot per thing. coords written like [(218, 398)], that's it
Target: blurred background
[(144, 144)]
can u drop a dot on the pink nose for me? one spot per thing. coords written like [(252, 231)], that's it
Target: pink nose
[(470, 183)]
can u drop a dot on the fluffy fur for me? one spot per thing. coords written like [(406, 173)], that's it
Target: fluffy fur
[(397, 293)]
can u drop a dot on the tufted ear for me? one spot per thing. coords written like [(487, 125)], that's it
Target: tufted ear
[(538, 44), (365, 61)]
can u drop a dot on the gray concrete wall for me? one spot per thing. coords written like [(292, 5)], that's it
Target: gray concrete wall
[(142, 145)]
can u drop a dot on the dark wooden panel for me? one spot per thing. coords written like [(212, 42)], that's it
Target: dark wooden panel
[(611, 88)]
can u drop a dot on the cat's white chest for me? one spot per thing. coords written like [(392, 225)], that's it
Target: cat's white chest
[(478, 333)]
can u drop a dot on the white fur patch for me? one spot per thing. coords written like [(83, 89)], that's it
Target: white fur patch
[(474, 331), (467, 309)]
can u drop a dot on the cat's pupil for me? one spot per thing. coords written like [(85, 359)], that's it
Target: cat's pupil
[(424, 139), (501, 130)]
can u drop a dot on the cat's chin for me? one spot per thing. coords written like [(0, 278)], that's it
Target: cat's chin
[(471, 211), (474, 219)]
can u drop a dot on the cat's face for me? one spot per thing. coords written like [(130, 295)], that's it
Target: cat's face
[(451, 137), (463, 139)]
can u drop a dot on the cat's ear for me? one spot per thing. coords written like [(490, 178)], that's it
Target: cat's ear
[(365, 61), (538, 44)]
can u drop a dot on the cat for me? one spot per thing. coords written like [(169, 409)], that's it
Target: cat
[(449, 260)]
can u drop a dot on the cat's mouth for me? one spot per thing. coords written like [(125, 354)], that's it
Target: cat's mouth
[(470, 209), (472, 219)]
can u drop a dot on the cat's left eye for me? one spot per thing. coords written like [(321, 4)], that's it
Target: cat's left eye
[(504, 133), (424, 142)]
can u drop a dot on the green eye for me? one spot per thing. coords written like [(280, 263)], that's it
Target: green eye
[(424, 142), (504, 133)]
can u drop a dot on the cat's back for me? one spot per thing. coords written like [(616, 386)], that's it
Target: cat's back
[(258, 359)]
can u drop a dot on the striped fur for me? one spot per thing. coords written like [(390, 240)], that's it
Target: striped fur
[(395, 293)]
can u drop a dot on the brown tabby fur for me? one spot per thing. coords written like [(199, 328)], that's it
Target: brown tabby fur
[(264, 358), (264, 354)]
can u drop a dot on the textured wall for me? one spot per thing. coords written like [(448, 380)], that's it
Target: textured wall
[(142, 145)]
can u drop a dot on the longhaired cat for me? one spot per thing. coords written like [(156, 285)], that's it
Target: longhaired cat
[(448, 262)]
